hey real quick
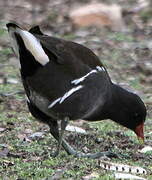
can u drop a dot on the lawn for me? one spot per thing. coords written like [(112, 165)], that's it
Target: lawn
[(24, 157)]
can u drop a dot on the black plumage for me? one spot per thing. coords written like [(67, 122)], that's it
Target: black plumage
[(65, 81)]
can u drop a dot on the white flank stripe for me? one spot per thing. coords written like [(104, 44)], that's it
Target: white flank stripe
[(77, 81), (27, 99), (100, 68), (66, 95), (71, 91), (34, 46), (54, 102)]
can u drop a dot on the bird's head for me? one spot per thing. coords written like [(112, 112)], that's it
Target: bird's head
[(136, 118), (131, 112)]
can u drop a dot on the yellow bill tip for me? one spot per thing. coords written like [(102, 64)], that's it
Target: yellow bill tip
[(141, 140)]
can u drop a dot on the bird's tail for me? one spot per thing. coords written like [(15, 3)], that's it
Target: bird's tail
[(24, 39)]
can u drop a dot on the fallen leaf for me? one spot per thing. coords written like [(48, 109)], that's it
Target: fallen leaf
[(36, 136), (1, 81), (128, 176), (21, 136), (28, 131), (12, 81), (145, 149), (91, 176), (75, 129), (57, 175), (7, 163), (16, 155), (2, 129), (4, 152)]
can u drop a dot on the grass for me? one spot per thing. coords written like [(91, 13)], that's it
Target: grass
[(31, 159), (121, 37)]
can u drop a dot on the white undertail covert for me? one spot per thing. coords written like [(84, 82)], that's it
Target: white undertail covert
[(31, 43)]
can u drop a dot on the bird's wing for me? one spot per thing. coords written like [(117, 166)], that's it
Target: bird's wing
[(66, 52)]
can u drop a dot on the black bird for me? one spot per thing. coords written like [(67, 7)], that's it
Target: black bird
[(66, 81)]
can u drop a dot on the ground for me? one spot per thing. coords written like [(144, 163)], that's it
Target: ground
[(128, 59)]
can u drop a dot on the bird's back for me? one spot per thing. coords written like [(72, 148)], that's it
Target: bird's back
[(68, 80), (73, 71)]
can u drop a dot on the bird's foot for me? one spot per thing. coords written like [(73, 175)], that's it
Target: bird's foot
[(75, 153)]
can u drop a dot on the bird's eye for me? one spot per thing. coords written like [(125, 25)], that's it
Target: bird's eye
[(136, 115)]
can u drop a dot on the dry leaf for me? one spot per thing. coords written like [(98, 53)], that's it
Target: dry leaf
[(75, 129), (36, 136), (145, 149), (127, 176), (4, 152), (2, 129), (91, 176)]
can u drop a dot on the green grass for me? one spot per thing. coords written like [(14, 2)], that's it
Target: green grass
[(31, 159), (121, 37)]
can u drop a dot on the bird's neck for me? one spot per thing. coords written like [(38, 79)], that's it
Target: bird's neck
[(116, 106), (113, 105)]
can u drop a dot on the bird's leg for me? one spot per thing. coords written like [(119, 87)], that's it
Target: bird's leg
[(64, 123), (71, 151), (54, 130)]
